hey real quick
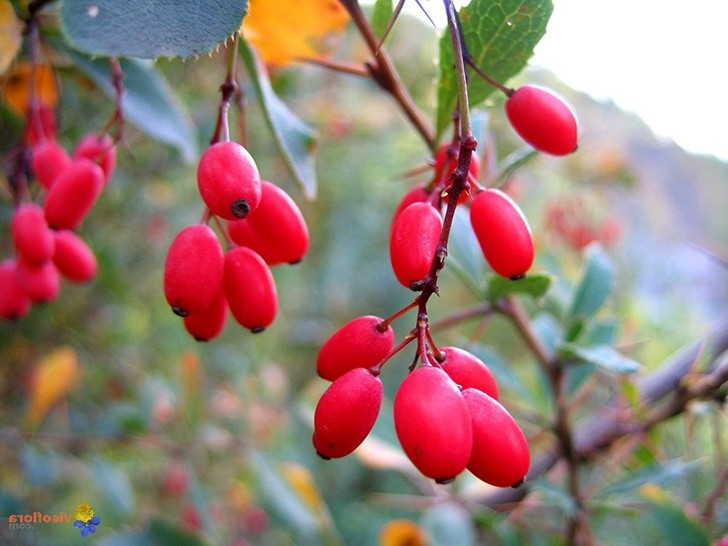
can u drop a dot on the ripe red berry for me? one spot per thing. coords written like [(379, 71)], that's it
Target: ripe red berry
[(41, 282), (14, 302), (228, 180), (101, 150), (446, 161), (468, 371), (41, 124), (32, 238), (360, 343), (48, 160), (73, 257), (416, 194), (500, 454), (276, 229), (413, 242), (193, 271), (73, 193), (543, 120), (432, 422), (503, 233), (250, 289), (346, 413), (207, 324)]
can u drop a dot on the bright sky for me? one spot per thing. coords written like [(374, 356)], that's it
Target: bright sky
[(665, 60)]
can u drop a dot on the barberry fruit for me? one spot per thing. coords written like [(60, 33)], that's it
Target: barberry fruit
[(101, 150), (32, 238), (73, 257), (193, 271), (48, 159), (542, 119), (41, 282), (446, 161), (228, 180), (360, 343), (346, 413), (500, 454), (503, 233), (73, 193), (207, 324), (468, 371), (413, 242), (14, 302), (433, 424), (250, 289), (276, 229)]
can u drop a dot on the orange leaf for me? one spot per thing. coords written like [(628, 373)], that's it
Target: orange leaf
[(401, 532), (53, 378), (286, 30), (11, 35), (16, 87)]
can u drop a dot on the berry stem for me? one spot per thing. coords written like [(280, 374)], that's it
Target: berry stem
[(117, 81), (228, 88), (409, 338)]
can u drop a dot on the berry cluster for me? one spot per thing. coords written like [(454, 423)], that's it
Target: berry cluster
[(263, 226), (447, 416), (45, 239)]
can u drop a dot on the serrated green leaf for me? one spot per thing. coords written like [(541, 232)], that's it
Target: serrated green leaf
[(534, 285), (595, 285), (500, 35), (139, 28), (295, 140), (604, 356), (148, 101), (380, 15)]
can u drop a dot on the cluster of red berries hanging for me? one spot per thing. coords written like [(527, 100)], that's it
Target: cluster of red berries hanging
[(447, 416), (265, 228), (44, 231)]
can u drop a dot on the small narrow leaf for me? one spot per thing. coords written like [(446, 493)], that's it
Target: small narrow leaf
[(657, 474), (534, 284), (604, 356), (295, 140), (163, 28), (501, 36), (54, 377), (381, 15), (595, 285), (148, 101)]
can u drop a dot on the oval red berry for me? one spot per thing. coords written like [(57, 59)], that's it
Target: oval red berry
[(503, 233), (73, 257), (41, 282), (207, 324), (346, 413), (250, 289), (48, 160), (32, 238), (467, 370), (276, 229), (101, 150), (228, 180), (73, 194), (413, 242), (193, 270), (432, 422), (543, 119), (14, 302), (357, 344), (500, 453)]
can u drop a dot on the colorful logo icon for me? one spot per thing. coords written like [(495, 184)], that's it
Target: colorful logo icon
[(85, 519)]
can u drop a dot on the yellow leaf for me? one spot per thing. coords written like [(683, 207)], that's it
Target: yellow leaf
[(54, 377), (401, 532), (16, 87), (286, 30), (11, 35), (302, 482)]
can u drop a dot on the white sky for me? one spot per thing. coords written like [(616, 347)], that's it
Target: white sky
[(665, 60)]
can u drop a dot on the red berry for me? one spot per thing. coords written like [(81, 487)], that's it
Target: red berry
[(48, 160), (32, 237), (101, 150), (446, 161), (41, 124), (73, 193), (543, 120), (41, 282), (14, 302), (413, 242), (207, 324), (73, 257), (228, 180), (276, 229), (250, 289), (468, 371), (503, 233), (433, 424), (193, 271), (500, 454), (346, 413), (416, 194), (357, 344)]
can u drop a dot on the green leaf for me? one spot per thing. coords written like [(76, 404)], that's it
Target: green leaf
[(148, 101), (594, 288), (658, 474), (295, 140), (604, 356), (675, 528), (534, 285), (139, 28), (500, 35), (381, 15)]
